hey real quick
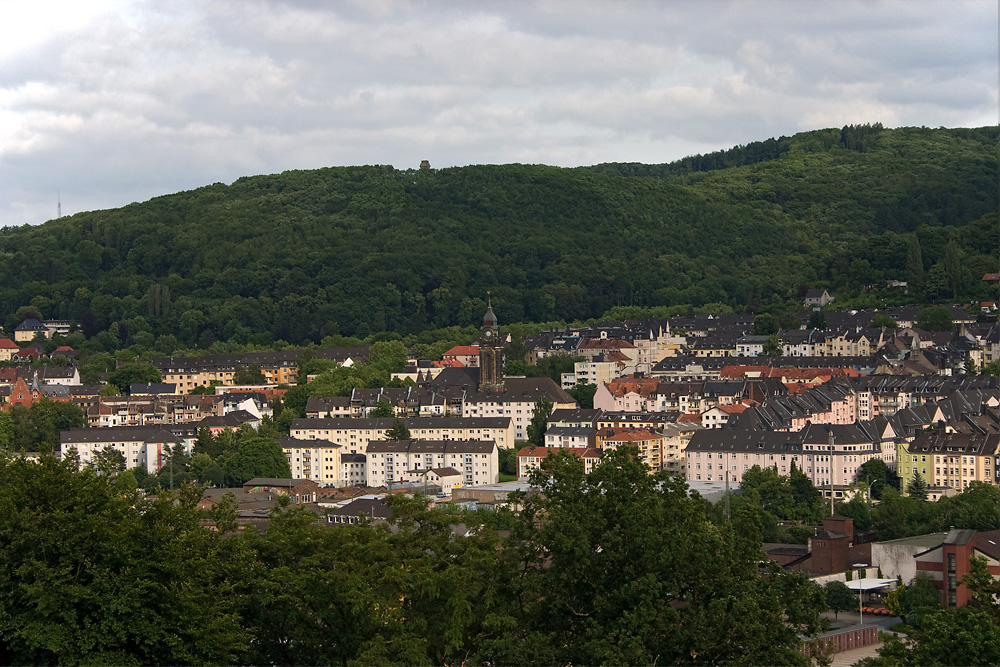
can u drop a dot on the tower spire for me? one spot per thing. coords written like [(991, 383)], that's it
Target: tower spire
[(490, 352)]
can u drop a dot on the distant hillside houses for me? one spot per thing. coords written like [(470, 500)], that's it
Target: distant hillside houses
[(276, 367)]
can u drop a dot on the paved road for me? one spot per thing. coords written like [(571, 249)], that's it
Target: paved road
[(848, 658), (847, 619)]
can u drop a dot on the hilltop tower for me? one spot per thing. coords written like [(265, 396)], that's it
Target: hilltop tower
[(490, 353)]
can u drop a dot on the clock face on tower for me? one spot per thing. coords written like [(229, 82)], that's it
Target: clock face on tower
[(489, 334)]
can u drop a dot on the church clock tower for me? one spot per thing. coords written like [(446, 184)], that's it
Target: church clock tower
[(490, 354)]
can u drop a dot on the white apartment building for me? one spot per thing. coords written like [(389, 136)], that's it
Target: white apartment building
[(316, 460), (142, 446), (390, 461), (354, 434)]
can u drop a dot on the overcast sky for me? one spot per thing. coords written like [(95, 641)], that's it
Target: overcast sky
[(107, 103)]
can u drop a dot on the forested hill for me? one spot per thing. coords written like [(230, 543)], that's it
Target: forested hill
[(358, 250)]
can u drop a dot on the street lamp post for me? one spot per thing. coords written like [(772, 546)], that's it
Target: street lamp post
[(861, 611)]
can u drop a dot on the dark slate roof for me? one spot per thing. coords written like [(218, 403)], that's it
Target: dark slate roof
[(411, 422), (280, 482), (31, 324), (432, 446), (153, 388), (374, 508), (300, 443), (157, 434)]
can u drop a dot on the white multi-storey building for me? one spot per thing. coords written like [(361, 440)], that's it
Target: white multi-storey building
[(390, 461), (147, 447), (354, 434)]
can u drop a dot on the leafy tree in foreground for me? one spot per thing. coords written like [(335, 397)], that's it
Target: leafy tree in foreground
[(621, 566), (945, 637), (89, 575), (255, 456), (839, 597)]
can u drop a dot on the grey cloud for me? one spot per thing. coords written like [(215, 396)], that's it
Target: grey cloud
[(176, 95)]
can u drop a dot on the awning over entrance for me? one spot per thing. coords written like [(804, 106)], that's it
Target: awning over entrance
[(869, 584)]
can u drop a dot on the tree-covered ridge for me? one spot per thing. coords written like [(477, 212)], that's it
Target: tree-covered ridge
[(358, 250)]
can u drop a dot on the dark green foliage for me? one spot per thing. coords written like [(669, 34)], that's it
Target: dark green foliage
[(789, 497), (248, 375), (399, 431), (507, 460), (621, 567), (772, 347), (739, 156), (129, 374), (969, 636), (308, 255), (917, 488), (765, 324), (935, 318), (877, 475), (861, 138), (382, 409), (37, 429), (840, 598), (539, 417), (817, 320), (857, 509), (584, 394), (91, 576), (254, 455)]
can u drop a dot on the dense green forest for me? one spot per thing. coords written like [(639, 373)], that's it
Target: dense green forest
[(359, 250)]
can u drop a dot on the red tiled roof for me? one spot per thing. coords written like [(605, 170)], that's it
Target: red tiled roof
[(448, 363), (738, 371), (641, 387), (693, 417), (463, 350), (8, 344), (628, 435)]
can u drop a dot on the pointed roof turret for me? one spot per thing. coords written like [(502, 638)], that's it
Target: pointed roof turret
[(489, 319)]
